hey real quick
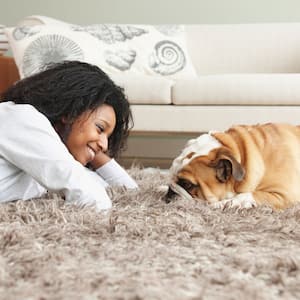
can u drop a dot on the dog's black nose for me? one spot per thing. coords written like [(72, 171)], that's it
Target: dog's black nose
[(169, 196)]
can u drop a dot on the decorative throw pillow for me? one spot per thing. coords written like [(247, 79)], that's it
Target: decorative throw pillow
[(3, 40), (115, 48)]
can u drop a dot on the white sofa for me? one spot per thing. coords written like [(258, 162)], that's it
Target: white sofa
[(246, 73)]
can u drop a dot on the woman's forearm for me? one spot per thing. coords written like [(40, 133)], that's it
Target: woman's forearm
[(99, 160)]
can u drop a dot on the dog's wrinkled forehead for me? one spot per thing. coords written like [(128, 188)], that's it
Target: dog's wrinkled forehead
[(199, 146)]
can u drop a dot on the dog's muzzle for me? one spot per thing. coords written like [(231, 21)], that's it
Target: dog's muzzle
[(170, 195), (176, 190)]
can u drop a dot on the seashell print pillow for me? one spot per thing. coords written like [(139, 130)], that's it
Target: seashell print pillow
[(115, 48)]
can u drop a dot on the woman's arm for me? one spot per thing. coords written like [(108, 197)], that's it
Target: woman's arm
[(100, 160), (112, 172)]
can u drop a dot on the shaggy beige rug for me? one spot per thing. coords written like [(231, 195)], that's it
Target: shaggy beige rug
[(147, 249)]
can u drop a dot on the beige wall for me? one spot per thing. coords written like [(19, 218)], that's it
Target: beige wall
[(155, 11)]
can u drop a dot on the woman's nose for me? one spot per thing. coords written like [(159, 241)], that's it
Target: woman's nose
[(103, 143)]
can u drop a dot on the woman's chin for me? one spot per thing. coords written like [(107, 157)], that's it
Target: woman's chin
[(82, 160)]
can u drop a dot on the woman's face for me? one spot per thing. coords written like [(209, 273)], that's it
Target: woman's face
[(90, 132)]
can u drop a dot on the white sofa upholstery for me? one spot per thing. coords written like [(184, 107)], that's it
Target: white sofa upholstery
[(247, 73)]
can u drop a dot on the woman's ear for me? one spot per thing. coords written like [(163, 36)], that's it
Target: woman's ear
[(65, 120), (61, 124), (63, 128)]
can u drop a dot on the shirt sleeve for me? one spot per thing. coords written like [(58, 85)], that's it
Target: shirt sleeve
[(114, 174), (30, 142)]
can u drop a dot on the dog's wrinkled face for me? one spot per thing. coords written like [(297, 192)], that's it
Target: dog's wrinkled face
[(204, 170)]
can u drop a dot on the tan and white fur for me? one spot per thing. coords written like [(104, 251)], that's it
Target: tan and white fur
[(242, 167)]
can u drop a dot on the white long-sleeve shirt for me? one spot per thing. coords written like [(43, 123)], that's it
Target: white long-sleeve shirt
[(33, 159)]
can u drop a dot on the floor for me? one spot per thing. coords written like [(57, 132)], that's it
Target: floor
[(155, 150)]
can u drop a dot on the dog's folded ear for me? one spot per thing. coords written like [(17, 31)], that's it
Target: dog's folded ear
[(226, 166)]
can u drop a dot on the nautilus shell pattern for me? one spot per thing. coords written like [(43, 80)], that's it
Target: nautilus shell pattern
[(170, 30), (168, 58), (49, 49), (20, 33), (121, 60), (110, 33)]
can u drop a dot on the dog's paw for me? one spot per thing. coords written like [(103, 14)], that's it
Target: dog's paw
[(240, 201)]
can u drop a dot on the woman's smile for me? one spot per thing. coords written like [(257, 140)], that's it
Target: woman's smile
[(91, 153)]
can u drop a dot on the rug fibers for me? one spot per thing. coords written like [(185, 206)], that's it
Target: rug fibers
[(146, 249)]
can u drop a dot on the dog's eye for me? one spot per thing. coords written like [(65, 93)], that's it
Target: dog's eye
[(186, 184)]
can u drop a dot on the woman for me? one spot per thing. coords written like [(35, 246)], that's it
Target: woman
[(60, 130)]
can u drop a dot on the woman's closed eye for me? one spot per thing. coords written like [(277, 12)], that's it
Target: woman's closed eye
[(100, 127)]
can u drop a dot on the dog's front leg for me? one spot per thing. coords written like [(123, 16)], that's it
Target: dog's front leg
[(273, 199), (240, 201)]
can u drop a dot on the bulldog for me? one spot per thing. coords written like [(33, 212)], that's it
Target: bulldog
[(242, 167)]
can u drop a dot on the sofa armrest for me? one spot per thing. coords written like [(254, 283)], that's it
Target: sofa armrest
[(8, 72)]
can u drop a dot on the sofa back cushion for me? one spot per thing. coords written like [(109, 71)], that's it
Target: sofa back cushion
[(244, 48)]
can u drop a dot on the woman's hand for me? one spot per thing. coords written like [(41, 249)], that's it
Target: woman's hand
[(99, 160)]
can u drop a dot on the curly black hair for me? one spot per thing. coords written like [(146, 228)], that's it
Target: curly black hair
[(71, 88)]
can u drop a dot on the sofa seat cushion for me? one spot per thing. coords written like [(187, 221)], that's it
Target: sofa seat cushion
[(145, 89), (204, 118), (238, 89)]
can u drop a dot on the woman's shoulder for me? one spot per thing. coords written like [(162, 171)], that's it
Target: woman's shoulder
[(12, 112), (24, 120), (11, 107)]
